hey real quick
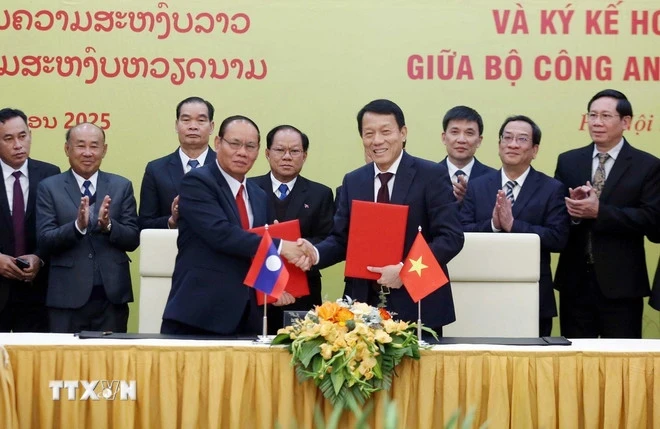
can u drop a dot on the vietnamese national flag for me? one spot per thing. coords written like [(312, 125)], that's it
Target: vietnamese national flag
[(267, 272), (421, 274)]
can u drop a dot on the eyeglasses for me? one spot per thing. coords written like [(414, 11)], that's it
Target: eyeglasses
[(236, 146), (509, 138), (280, 152), (605, 117)]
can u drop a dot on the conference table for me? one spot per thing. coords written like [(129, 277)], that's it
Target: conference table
[(58, 380)]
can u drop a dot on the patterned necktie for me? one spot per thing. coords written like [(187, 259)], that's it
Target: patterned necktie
[(193, 163), (509, 190), (242, 209), (18, 216), (384, 193), (284, 191), (599, 175), (87, 193), (458, 174)]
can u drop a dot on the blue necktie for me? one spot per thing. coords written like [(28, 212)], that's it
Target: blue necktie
[(509, 190), (458, 174), (284, 191), (193, 163), (87, 192)]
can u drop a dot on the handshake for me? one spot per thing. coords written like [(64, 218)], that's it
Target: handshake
[(301, 253)]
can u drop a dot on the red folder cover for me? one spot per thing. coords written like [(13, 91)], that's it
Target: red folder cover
[(375, 237), (297, 284)]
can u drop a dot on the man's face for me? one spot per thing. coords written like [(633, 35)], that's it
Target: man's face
[(286, 155), (516, 148), (194, 126), (85, 150), (237, 161), (15, 143), (462, 140), (382, 138), (607, 127)]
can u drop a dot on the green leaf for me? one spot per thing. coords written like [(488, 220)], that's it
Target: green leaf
[(281, 339), (337, 377), (309, 349)]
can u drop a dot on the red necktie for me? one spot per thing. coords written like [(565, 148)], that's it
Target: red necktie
[(18, 216), (384, 193), (242, 209)]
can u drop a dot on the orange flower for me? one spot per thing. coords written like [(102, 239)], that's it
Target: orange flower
[(328, 311), (343, 315), (384, 314)]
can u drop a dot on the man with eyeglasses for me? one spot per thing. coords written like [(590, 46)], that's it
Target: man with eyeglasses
[(293, 196), (462, 134), (217, 206), (520, 199), (614, 201), (162, 177)]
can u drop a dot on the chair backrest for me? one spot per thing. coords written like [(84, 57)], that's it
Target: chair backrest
[(494, 281)]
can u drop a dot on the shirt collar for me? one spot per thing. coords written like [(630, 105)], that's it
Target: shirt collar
[(613, 153), (185, 158), (94, 178), (276, 183), (8, 171), (393, 168), (453, 169), (520, 180), (234, 184)]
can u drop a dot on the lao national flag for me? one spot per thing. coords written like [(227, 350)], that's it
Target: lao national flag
[(267, 272)]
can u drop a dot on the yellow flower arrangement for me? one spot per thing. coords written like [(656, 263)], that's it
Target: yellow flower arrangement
[(349, 349)]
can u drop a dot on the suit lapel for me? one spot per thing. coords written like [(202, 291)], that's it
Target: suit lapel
[(528, 190), (4, 204), (623, 163), (259, 212), (403, 180), (225, 191), (175, 170), (584, 165), (297, 198), (210, 156), (34, 177), (72, 189)]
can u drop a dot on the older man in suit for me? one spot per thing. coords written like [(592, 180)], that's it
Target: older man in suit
[(403, 179), (292, 196), (462, 134), (87, 221), (217, 206), (519, 199), (22, 288), (614, 201), (162, 177)]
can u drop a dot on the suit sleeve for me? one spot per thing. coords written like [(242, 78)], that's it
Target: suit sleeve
[(556, 223), (445, 226), (204, 211), (333, 248), (643, 218), (51, 236), (125, 234), (149, 207), (468, 214)]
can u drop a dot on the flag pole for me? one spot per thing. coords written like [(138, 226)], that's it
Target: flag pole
[(263, 338), (419, 313)]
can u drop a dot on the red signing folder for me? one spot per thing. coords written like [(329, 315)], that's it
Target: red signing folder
[(375, 237), (297, 284)]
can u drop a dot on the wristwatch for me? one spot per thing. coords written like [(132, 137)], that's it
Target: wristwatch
[(109, 227)]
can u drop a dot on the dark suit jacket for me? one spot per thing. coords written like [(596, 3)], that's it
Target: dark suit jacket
[(539, 209), (214, 252), (629, 209), (478, 169), (423, 186), (312, 204), (20, 291), (654, 301), (74, 256), (160, 185)]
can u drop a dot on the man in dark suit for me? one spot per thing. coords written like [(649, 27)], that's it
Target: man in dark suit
[(519, 199), (614, 200), (292, 196), (462, 134), (654, 301), (421, 185), (22, 291), (162, 177), (87, 221), (216, 206)]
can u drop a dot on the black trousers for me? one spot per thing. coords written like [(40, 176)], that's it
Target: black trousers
[(586, 313), (98, 314), (24, 317)]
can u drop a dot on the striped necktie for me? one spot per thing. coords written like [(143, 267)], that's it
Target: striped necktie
[(509, 190)]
